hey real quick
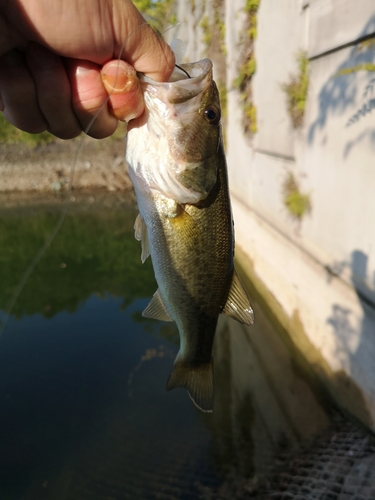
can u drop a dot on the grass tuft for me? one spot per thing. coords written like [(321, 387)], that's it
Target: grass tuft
[(297, 203), (296, 91)]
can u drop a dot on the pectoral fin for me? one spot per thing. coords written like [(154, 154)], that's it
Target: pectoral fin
[(156, 309), (198, 380), (140, 234), (186, 227), (238, 305)]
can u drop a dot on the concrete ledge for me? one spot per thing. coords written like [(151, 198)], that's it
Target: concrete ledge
[(326, 320)]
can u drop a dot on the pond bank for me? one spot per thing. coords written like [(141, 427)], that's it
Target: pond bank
[(97, 165)]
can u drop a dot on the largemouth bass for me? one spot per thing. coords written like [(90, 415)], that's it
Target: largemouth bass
[(178, 169)]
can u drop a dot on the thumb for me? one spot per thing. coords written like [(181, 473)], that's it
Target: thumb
[(125, 94), (138, 44)]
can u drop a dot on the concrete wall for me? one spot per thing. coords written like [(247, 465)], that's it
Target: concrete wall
[(319, 273)]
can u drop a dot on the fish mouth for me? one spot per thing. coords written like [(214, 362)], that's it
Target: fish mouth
[(177, 157), (182, 88)]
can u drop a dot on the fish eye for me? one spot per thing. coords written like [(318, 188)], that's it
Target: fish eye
[(212, 115)]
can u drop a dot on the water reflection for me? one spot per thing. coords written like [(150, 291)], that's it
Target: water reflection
[(94, 252), (81, 414), (84, 411)]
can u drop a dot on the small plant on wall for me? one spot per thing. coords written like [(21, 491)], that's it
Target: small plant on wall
[(213, 38), (297, 203), (247, 66), (296, 91)]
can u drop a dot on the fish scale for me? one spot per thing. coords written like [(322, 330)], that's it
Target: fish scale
[(178, 169)]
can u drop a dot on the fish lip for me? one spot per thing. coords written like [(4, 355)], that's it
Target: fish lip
[(180, 88)]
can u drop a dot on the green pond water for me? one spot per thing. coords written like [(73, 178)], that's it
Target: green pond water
[(84, 413)]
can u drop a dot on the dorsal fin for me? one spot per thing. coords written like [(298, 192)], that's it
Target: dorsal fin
[(198, 380), (238, 304), (140, 234), (156, 309)]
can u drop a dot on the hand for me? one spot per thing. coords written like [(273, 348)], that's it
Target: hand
[(52, 53)]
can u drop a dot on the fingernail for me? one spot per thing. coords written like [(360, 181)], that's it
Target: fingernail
[(115, 67), (41, 57), (119, 77), (84, 69)]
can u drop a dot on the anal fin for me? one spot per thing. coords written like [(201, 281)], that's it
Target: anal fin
[(238, 304), (156, 309)]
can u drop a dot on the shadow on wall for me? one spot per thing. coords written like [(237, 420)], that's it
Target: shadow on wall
[(356, 343), (341, 92), (359, 278), (368, 133)]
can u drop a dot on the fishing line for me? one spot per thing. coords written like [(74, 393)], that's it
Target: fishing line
[(34, 262), (179, 49), (183, 70), (30, 268)]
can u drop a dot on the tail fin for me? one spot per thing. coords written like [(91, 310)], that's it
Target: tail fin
[(198, 380)]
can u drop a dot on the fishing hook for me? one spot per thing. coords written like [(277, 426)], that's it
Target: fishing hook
[(184, 70)]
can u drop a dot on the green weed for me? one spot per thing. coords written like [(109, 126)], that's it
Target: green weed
[(296, 202), (296, 91)]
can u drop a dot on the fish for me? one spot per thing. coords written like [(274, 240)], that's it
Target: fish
[(178, 169)]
